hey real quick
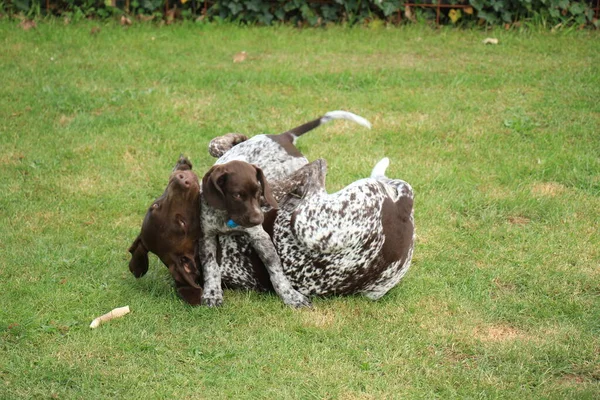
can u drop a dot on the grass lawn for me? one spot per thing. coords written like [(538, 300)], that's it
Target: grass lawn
[(500, 143)]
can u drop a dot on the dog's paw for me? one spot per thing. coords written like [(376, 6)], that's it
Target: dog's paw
[(214, 298), (296, 299)]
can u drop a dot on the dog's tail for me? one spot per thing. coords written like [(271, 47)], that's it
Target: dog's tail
[(309, 126), (380, 168)]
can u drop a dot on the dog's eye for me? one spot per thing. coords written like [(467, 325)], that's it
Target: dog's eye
[(237, 196), (181, 222)]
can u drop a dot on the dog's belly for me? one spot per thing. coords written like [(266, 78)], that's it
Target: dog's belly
[(343, 271)]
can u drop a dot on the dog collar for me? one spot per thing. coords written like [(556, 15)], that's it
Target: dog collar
[(231, 224)]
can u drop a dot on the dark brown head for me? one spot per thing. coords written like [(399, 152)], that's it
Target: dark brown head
[(171, 229), (240, 189)]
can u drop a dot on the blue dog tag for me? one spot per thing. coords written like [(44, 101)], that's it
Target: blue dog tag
[(231, 224)]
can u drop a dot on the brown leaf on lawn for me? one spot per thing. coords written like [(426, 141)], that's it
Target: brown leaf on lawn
[(125, 21), (408, 13), (518, 220), (95, 30), (27, 24), (240, 57)]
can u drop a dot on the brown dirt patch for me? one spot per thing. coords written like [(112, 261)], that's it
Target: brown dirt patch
[(356, 396), (318, 318), (11, 158), (518, 220), (65, 119), (548, 189), (498, 333)]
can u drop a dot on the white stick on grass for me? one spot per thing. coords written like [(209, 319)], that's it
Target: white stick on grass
[(116, 313)]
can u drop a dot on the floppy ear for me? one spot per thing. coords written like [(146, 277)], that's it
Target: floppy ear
[(183, 164), (138, 265), (211, 187), (190, 295), (184, 272), (265, 187)]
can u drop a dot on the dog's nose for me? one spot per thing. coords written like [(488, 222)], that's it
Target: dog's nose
[(256, 219), (184, 179)]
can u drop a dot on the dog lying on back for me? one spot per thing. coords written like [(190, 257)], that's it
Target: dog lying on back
[(357, 240), (171, 229), (232, 191), (161, 230)]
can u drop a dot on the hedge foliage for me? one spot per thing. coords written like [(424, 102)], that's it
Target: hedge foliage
[(320, 12)]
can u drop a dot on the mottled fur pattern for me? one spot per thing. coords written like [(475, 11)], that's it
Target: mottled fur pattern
[(278, 158), (262, 150), (214, 223), (358, 240)]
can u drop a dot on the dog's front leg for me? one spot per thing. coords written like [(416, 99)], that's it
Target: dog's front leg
[(266, 251), (212, 295)]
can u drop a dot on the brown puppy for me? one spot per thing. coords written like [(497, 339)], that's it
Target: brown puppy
[(230, 205), (238, 188), (171, 230)]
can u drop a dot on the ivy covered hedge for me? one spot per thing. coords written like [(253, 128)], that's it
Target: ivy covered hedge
[(321, 12)]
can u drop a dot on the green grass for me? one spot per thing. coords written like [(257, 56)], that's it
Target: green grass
[(501, 144)]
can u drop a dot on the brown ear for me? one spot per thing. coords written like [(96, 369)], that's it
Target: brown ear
[(211, 187), (190, 295), (138, 265), (265, 187), (183, 164), (184, 272)]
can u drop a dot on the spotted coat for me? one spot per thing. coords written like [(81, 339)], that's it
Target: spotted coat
[(358, 240)]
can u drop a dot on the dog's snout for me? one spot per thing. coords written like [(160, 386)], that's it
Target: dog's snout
[(256, 219), (182, 180), (185, 179)]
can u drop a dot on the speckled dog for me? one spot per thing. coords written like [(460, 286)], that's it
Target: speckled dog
[(358, 240), (232, 191)]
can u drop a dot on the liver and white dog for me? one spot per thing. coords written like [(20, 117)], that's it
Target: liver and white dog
[(358, 240)]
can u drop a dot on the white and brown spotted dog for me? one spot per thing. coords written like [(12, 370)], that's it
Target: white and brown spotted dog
[(229, 208), (357, 240), (232, 191)]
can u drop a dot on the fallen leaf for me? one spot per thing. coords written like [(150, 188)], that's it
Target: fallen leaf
[(518, 220), (408, 13), (125, 21), (469, 10), (454, 15), (240, 57), (28, 24), (95, 30)]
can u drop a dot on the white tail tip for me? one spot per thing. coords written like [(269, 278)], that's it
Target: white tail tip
[(380, 168), (345, 115)]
